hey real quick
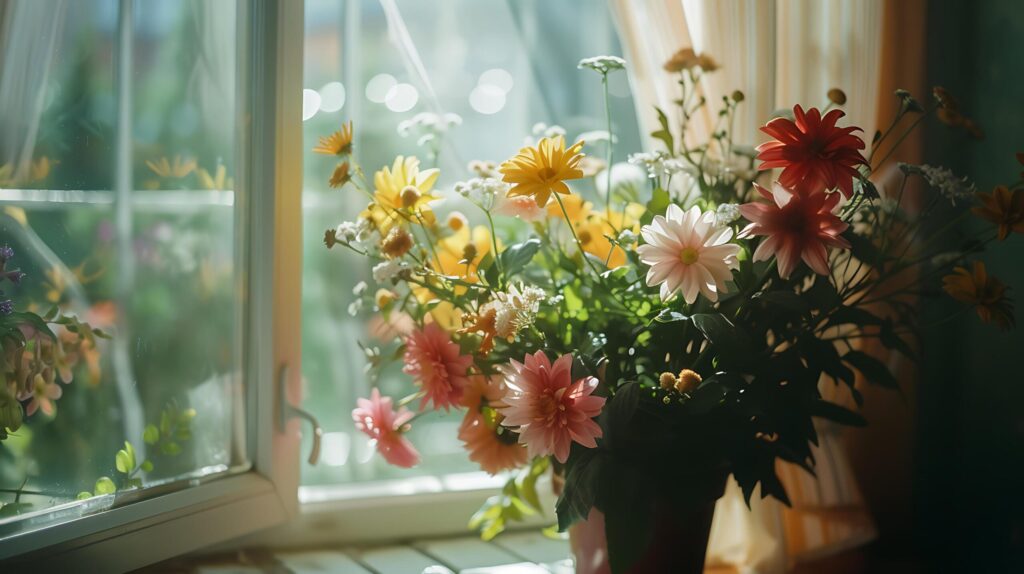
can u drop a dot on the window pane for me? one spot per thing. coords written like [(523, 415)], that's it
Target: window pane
[(116, 169), (513, 67)]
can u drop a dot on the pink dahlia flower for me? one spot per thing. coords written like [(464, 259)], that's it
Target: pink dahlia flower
[(550, 409), (796, 227), (438, 366), (688, 253), (813, 153), (378, 420)]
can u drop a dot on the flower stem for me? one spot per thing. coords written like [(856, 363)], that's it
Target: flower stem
[(572, 229), (494, 246), (608, 168)]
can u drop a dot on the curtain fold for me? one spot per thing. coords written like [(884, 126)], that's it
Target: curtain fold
[(779, 53)]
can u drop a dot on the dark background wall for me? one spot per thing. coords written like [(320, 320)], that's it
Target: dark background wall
[(969, 467)]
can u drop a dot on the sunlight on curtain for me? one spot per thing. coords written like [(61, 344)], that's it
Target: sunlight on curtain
[(779, 53)]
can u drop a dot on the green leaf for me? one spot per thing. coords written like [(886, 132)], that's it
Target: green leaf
[(659, 202), (581, 484), (891, 340), (517, 256), (104, 486), (854, 316), (151, 434), (833, 412), (665, 132), (621, 408), (727, 338), (526, 482), (170, 448), (670, 316), (122, 461), (84, 495), (147, 466), (873, 370)]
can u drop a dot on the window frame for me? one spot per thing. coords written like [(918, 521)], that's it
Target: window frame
[(192, 515)]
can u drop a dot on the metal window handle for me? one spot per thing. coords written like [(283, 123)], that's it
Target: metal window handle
[(287, 411)]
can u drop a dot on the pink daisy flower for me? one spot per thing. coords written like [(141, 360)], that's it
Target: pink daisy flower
[(796, 226), (438, 366), (379, 421), (550, 409), (688, 253)]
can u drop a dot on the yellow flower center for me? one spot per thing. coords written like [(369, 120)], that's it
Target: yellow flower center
[(689, 256), (547, 173)]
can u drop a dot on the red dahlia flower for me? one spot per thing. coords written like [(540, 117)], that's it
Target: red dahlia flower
[(813, 153)]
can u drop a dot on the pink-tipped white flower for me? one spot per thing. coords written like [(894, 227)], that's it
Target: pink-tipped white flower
[(550, 409), (376, 418), (688, 253), (795, 227)]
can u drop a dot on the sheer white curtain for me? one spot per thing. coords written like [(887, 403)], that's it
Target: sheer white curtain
[(779, 53)]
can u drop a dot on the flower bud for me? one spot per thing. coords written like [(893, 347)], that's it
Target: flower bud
[(410, 195), (737, 96), (456, 220), (397, 243), (667, 381), (837, 96), (384, 298), (468, 254), (688, 381)]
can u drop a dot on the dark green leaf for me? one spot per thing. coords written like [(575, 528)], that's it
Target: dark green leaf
[(670, 316), (873, 370), (580, 491), (836, 413)]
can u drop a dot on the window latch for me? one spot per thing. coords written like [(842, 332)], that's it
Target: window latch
[(286, 411)]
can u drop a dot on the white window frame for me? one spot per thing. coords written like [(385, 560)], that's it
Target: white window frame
[(269, 181)]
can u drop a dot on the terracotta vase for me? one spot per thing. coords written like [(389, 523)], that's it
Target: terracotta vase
[(678, 544)]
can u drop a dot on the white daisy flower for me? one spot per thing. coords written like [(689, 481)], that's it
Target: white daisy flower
[(688, 254)]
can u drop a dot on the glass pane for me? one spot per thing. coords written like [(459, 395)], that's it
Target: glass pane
[(117, 158), (500, 76)]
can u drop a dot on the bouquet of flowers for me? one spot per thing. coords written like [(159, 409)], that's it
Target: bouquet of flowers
[(648, 339)]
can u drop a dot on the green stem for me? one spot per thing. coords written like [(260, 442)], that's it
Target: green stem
[(572, 229), (608, 169), (494, 246)]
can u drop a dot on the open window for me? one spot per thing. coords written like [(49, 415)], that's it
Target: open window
[(149, 178)]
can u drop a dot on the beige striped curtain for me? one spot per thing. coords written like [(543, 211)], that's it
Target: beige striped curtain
[(779, 53)]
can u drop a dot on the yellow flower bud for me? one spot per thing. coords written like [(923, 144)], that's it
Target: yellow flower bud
[(384, 297), (667, 381), (410, 195), (688, 381), (456, 220)]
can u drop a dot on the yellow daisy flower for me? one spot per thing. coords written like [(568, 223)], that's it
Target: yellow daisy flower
[(164, 168), (338, 143), (341, 175), (402, 189), (540, 171)]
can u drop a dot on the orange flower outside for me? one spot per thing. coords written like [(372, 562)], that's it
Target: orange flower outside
[(338, 143)]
